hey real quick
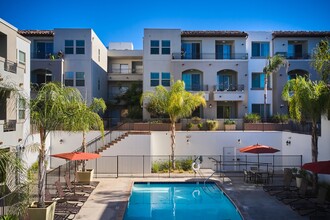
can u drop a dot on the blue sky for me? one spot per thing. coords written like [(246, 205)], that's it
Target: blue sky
[(124, 21)]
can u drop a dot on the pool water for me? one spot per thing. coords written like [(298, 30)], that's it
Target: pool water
[(179, 201)]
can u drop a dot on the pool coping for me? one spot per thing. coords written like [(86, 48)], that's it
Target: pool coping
[(216, 182)]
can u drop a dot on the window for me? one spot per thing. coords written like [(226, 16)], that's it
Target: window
[(154, 79), (68, 78), (21, 108), (259, 109), (154, 47), (43, 50), (260, 49), (190, 50), (166, 79), (258, 81), (21, 57), (80, 79), (223, 51), (68, 47), (295, 50), (124, 68), (166, 47), (223, 111), (80, 47), (192, 81)]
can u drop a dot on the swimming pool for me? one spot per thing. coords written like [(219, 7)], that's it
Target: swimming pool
[(179, 201)]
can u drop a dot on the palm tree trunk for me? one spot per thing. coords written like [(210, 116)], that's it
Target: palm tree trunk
[(172, 144), (265, 97), (314, 153), (41, 169), (84, 150)]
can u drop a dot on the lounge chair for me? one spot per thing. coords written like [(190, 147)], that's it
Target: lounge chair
[(77, 188), (69, 196), (311, 205), (287, 179), (62, 205), (288, 197)]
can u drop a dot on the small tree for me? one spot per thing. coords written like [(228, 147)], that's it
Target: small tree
[(176, 103), (311, 100), (50, 110), (274, 64), (85, 118)]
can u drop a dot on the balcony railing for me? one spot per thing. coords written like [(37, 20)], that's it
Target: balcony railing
[(9, 126), (50, 56), (197, 87), (209, 56), (127, 71), (231, 87), (10, 66), (294, 56)]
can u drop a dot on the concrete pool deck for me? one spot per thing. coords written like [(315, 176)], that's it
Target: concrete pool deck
[(109, 199)]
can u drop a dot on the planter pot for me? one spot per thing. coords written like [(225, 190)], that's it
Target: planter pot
[(85, 177), (46, 213), (230, 127), (298, 181)]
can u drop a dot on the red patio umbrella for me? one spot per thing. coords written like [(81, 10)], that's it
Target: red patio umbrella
[(258, 149), (77, 156), (320, 167)]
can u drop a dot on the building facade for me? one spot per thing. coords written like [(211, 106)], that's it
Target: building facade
[(14, 86), (228, 66), (74, 57)]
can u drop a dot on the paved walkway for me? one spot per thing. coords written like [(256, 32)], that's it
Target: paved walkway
[(109, 199)]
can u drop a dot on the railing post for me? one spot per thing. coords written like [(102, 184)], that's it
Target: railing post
[(117, 165), (273, 162), (143, 166)]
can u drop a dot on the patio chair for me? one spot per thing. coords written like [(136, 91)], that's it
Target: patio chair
[(307, 206), (62, 205), (76, 188), (247, 176), (69, 196), (287, 178)]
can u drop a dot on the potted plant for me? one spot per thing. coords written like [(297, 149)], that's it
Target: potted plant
[(230, 124), (200, 126), (212, 125), (302, 174), (189, 126), (50, 110)]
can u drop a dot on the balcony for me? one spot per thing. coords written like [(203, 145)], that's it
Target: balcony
[(9, 126), (209, 56), (10, 66), (49, 56), (233, 92), (125, 75), (294, 56)]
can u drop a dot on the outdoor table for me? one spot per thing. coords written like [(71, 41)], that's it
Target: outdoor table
[(259, 176)]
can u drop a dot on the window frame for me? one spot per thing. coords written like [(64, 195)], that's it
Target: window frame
[(166, 79), (261, 82), (21, 108), (154, 48), (80, 82), (69, 79), (68, 47), (21, 57), (259, 55), (155, 80), (80, 48), (166, 50)]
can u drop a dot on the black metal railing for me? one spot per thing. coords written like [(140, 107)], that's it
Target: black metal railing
[(9, 125), (50, 56), (294, 56), (209, 56), (10, 66), (231, 87), (126, 71), (196, 87)]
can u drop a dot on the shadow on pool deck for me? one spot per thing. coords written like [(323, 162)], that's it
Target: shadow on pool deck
[(109, 199)]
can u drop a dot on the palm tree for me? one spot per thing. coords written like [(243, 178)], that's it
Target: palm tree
[(307, 99), (321, 60), (50, 110), (85, 118), (176, 103), (274, 64)]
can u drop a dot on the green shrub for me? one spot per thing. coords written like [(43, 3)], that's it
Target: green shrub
[(212, 125), (229, 122), (196, 120), (200, 126), (279, 118), (184, 164), (252, 118), (189, 126), (164, 166)]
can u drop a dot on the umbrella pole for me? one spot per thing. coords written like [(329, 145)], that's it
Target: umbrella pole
[(258, 161)]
